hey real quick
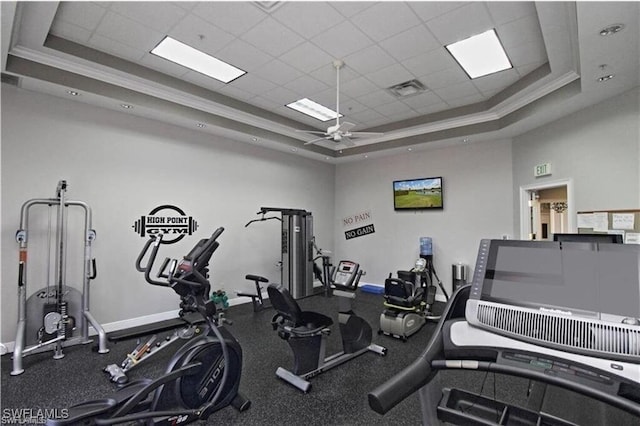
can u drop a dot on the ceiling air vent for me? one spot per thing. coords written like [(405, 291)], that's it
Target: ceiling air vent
[(10, 79), (406, 89)]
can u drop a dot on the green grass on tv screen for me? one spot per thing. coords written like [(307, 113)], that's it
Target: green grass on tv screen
[(417, 199)]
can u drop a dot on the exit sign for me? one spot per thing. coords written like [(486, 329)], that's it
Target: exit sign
[(542, 170)]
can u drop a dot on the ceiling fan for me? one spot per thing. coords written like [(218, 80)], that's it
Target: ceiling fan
[(340, 132)]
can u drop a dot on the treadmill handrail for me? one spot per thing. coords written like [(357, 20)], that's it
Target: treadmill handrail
[(419, 373)]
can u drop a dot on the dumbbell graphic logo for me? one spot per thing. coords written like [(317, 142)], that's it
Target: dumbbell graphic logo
[(171, 221)]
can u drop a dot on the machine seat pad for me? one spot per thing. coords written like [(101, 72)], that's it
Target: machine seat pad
[(257, 278), (292, 316)]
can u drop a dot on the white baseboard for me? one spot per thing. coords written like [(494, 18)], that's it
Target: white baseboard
[(109, 327)]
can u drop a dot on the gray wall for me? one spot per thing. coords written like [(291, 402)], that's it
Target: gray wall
[(477, 204), (598, 147), (124, 166)]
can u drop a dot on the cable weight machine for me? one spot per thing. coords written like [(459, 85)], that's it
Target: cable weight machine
[(296, 264), (57, 315)]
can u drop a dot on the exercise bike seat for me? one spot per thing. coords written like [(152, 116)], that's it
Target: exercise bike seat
[(99, 407), (401, 293), (293, 319)]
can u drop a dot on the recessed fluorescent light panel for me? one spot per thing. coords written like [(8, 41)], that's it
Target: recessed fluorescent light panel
[(182, 54), (313, 109), (480, 55)]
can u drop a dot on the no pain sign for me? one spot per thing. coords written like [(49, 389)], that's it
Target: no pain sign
[(362, 219)]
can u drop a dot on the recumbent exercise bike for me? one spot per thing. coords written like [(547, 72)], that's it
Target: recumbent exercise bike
[(307, 331), (204, 374)]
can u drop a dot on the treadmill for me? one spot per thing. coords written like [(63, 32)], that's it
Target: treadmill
[(553, 316)]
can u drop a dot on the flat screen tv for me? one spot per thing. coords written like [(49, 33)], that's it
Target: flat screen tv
[(418, 194)]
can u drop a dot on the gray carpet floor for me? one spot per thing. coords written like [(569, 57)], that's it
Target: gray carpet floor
[(337, 397)]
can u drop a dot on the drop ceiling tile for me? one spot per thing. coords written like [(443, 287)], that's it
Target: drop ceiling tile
[(390, 76), (203, 80), (278, 72), (403, 115), (328, 98), (350, 8), (264, 103), (376, 98), (199, 34), (306, 85), (235, 92), (128, 32), (161, 16), (410, 43), (327, 74), (428, 10), (366, 117), (306, 57), (444, 78), (343, 40), (521, 31), (243, 55), (466, 100), (529, 53), (461, 23), (350, 106), (499, 80), (393, 108), (357, 87), (115, 48), (186, 5), (234, 17), (507, 11), (369, 59), (253, 84), (385, 19), (83, 14), (430, 62), (431, 109), (163, 65), (272, 37), (281, 95), (422, 100), (70, 31), (308, 18), (462, 90)]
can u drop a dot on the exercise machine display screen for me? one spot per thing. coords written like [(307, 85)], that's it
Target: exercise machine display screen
[(586, 279), (345, 273)]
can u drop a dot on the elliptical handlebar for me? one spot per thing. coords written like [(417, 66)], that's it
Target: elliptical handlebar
[(170, 279)]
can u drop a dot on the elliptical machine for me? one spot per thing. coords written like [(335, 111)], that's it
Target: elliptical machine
[(307, 331), (204, 374)]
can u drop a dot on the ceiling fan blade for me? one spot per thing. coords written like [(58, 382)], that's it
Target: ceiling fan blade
[(317, 140), (313, 132), (360, 134), (345, 126)]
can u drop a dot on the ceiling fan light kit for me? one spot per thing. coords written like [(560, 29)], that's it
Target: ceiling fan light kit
[(341, 131)]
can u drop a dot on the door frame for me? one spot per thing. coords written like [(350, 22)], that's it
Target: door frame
[(525, 191)]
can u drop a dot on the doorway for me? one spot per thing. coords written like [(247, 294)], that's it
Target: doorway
[(547, 209)]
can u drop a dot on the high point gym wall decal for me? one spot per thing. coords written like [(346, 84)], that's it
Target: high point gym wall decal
[(164, 220), (358, 219)]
